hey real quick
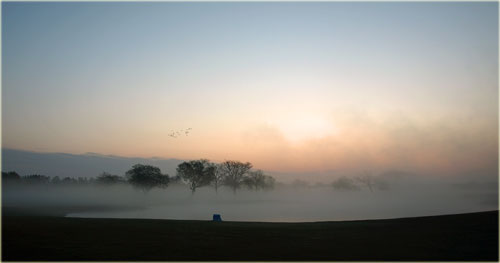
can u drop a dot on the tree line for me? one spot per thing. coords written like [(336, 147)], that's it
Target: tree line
[(195, 174), (365, 179)]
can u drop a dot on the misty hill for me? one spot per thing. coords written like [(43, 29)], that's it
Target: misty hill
[(76, 165)]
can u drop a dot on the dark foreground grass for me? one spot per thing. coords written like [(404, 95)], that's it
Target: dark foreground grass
[(463, 237)]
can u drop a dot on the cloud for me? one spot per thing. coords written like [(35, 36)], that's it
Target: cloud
[(434, 145)]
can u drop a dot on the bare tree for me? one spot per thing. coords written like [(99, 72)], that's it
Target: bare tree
[(218, 176), (345, 184), (234, 173), (257, 180), (367, 179), (268, 183), (254, 180)]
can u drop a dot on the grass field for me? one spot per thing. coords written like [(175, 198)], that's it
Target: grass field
[(472, 237)]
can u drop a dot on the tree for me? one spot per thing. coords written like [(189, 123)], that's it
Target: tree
[(345, 183), (109, 179), (68, 180), (234, 173), (255, 180), (83, 180), (269, 182), (10, 176), (366, 179), (218, 176), (176, 180), (146, 177), (55, 180), (196, 173), (36, 179)]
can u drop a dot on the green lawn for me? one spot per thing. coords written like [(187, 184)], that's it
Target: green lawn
[(471, 237)]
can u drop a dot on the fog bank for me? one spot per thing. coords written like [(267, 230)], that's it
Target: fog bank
[(405, 197)]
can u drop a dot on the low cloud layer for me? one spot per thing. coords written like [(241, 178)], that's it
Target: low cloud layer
[(432, 146), (403, 196)]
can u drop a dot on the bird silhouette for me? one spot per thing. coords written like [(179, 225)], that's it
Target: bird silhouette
[(177, 133)]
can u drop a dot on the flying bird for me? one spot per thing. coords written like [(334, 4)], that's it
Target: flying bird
[(177, 133)]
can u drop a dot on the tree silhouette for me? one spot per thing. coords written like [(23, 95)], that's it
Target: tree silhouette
[(234, 173), (83, 180), (257, 180), (10, 176), (345, 184), (109, 179), (218, 176), (366, 179), (146, 177), (196, 173), (252, 179), (55, 180), (176, 180), (35, 179), (69, 180), (269, 182)]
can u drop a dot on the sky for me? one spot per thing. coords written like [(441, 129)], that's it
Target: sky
[(327, 86)]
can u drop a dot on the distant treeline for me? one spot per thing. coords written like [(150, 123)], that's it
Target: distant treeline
[(199, 173), (195, 174)]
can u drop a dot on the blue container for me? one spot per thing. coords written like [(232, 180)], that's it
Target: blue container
[(217, 218)]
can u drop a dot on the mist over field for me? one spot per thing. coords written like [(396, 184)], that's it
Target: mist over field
[(300, 196), (295, 202)]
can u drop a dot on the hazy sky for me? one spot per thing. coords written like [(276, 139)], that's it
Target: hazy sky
[(286, 86)]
